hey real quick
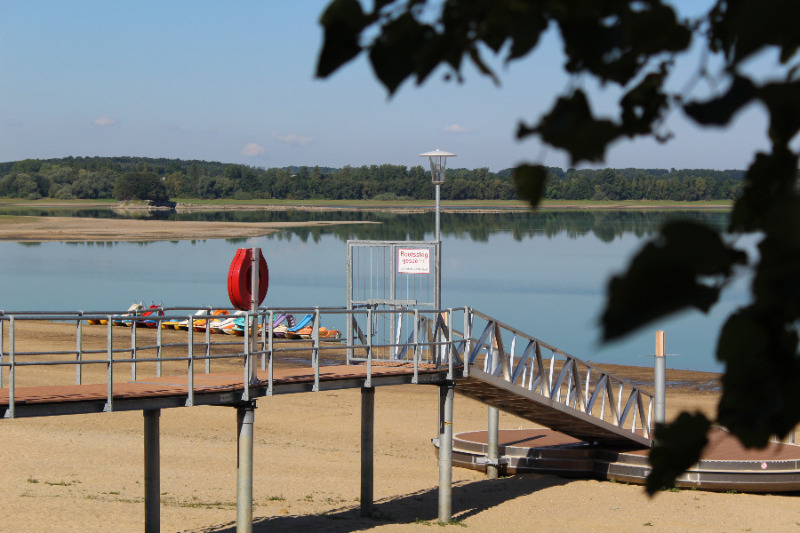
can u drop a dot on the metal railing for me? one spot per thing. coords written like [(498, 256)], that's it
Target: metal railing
[(445, 339), (107, 340), (535, 366)]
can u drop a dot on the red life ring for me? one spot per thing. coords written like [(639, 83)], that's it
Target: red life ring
[(239, 279)]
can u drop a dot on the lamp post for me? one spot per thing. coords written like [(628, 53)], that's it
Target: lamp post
[(438, 161)]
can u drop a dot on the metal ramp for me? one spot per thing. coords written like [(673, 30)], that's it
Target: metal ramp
[(516, 373), (561, 392), (532, 406)]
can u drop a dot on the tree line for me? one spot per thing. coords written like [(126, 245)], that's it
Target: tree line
[(126, 178)]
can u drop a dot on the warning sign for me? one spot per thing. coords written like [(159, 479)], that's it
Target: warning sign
[(413, 261)]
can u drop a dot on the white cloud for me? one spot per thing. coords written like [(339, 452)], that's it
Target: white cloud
[(291, 138), (455, 128), (104, 121), (253, 149)]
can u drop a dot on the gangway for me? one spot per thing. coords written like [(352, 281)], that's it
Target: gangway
[(489, 361), (561, 391), (485, 359)]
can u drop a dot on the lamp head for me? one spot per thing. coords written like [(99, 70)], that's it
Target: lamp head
[(438, 161)]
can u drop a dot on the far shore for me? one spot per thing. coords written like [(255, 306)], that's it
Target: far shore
[(24, 228), (192, 204)]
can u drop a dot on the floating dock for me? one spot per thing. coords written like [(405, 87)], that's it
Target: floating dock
[(725, 465)]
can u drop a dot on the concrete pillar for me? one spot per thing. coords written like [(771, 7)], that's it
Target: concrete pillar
[(446, 394), (367, 450), (245, 415), (152, 471)]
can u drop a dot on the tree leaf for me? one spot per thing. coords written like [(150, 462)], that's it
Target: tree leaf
[(665, 277), (529, 181), (719, 111), (760, 393), (571, 126), (343, 21), (678, 447), (393, 53)]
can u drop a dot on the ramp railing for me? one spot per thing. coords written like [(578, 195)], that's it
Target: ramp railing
[(535, 366)]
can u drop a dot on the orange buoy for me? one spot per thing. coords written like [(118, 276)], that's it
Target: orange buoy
[(239, 275)]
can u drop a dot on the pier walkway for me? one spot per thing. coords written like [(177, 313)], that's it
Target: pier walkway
[(85, 370)]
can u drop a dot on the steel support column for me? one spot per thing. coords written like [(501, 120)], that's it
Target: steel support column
[(446, 394), (152, 471), (367, 449), (660, 378), (245, 416), (491, 453)]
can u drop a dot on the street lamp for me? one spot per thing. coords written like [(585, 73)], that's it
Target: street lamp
[(438, 161)]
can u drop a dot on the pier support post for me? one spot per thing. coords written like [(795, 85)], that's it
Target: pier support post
[(245, 415), (367, 449), (660, 378), (152, 471), (446, 394), (492, 468)]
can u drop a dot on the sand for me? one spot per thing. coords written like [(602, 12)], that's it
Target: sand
[(85, 472)]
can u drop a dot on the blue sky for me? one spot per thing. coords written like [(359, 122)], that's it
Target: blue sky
[(233, 82)]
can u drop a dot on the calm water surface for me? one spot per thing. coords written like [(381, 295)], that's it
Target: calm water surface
[(544, 273)]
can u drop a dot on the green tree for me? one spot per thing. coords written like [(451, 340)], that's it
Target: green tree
[(635, 45), (140, 186)]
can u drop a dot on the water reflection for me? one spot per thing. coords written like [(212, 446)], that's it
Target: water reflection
[(606, 225)]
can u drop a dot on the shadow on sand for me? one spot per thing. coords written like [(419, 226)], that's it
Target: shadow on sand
[(469, 499)]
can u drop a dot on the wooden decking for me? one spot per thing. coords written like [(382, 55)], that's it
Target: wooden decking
[(221, 388)]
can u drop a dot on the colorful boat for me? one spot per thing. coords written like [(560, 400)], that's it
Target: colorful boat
[(200, 325), (118, 320), (237, 328), (221, 325), (153, 310)]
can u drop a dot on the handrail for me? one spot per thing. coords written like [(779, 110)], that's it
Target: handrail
[(563, 379), (413, 336)]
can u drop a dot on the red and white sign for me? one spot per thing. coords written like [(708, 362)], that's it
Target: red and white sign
[(413, 261)]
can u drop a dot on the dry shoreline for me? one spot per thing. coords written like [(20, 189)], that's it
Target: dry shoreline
[(74, 229)]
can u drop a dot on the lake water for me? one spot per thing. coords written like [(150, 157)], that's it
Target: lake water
[(544, 273)]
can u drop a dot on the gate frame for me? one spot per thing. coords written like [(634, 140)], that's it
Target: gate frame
[(393, 302)]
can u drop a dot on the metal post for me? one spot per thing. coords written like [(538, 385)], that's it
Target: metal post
[(660, 378), (438, 237), (254, 274), (446, 394), (152, 471), (492, 469), (367, 449), (245, 416)]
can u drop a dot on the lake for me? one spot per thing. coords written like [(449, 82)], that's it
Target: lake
[(544, 273)]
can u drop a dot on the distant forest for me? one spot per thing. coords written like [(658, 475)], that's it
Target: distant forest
[(126, 178)]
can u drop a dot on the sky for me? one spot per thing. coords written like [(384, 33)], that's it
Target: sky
[(234, 82)]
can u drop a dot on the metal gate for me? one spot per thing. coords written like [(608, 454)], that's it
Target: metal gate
[(385, 276)]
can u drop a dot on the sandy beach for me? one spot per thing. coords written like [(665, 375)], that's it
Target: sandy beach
[(85, 472)]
